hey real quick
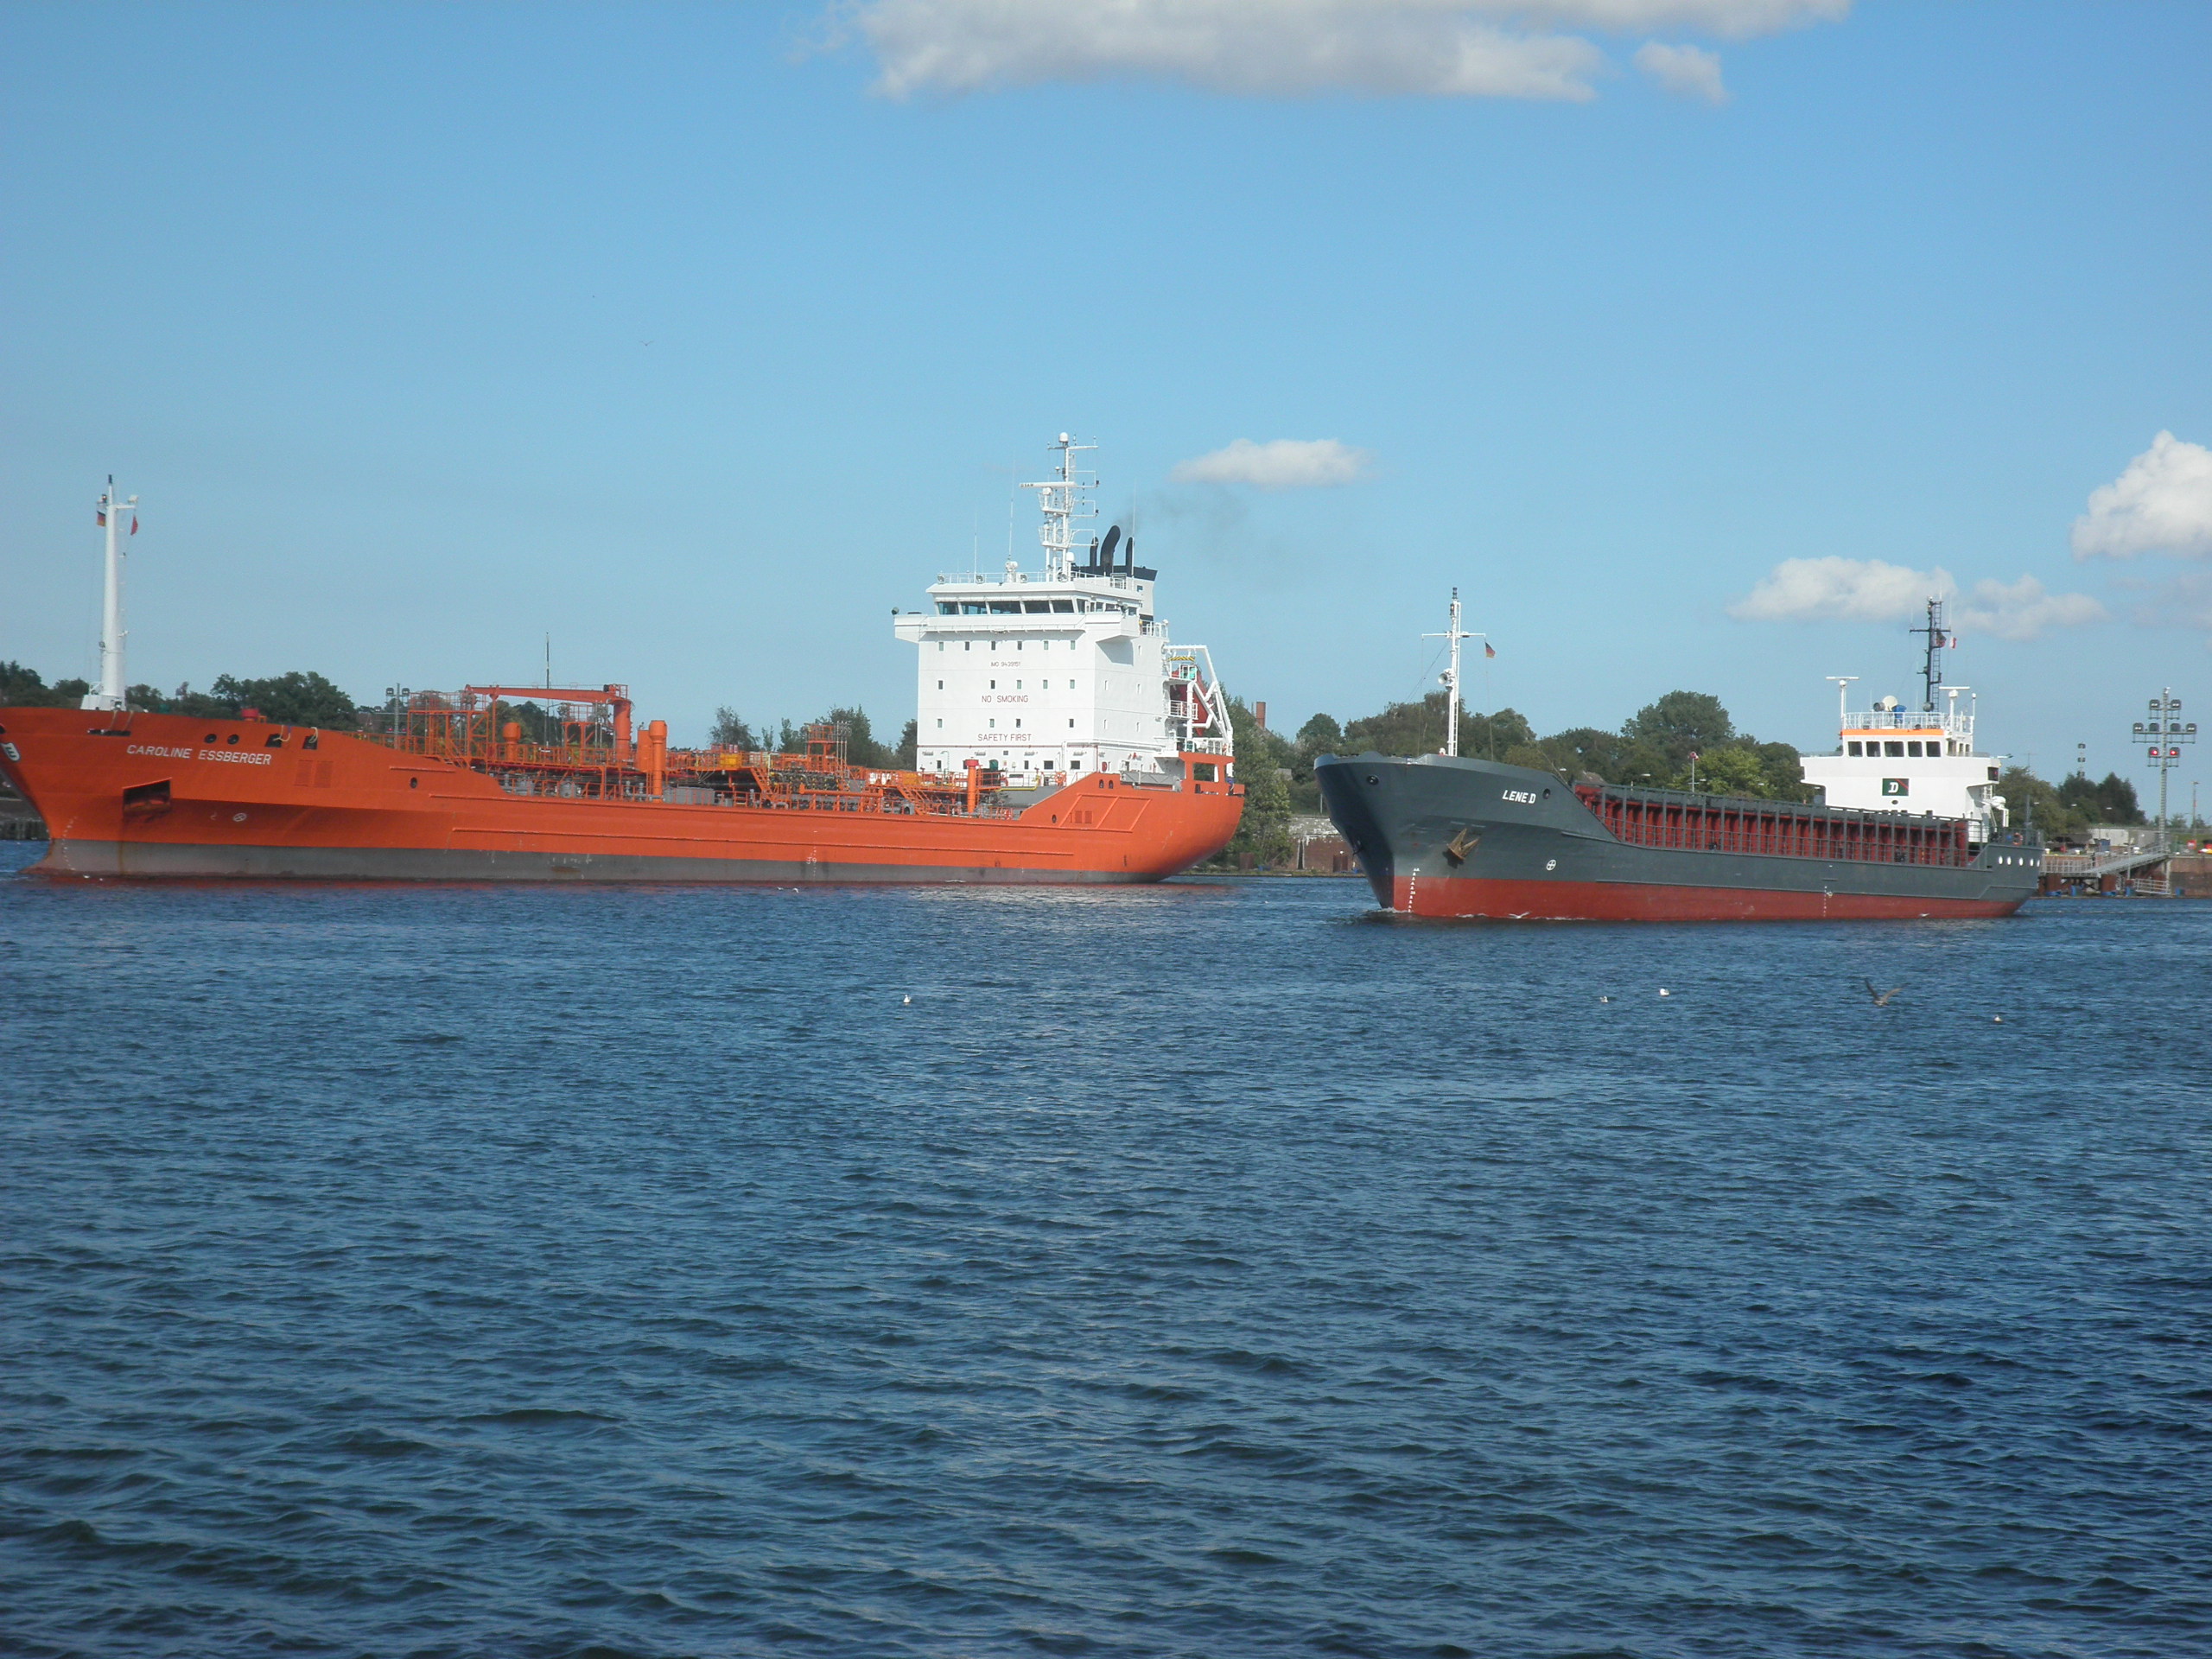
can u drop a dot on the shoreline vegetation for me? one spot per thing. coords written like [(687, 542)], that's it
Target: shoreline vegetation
[(1654, 747)]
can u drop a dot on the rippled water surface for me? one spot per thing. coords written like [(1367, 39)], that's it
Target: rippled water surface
[(1192, 1270)]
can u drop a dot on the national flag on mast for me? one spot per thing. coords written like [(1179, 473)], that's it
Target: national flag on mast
[(100, 516), (1489, 650), (134, 524)]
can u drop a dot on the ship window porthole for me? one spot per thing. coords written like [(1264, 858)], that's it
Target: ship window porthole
[(1372, 778), (413, 782), (1548, 794)]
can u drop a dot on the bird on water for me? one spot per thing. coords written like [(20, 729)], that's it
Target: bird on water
[(1881, 998)]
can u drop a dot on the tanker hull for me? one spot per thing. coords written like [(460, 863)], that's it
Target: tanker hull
[(1463, 838), (166, 796)]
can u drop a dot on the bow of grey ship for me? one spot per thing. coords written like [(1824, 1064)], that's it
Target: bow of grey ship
[(1444, 836)]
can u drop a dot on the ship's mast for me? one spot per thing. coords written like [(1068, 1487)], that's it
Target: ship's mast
[(1064, 502), (111, 694), (1931, 671), (1455, 634)]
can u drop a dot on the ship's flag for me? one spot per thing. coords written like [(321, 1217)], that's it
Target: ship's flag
[(1489, 650), (99, 517), (134, 524)]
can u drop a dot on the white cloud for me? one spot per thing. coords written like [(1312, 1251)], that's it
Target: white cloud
[(2161, 503), (1850, 590), (1284, 464), (1444, 48), (1870, 590), (1688, 71), (2022, 610)]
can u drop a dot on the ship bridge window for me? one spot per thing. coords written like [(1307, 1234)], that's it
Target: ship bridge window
[(973, 607), (1859, 748), (1044, 605), (946, 607), (1894, 749), (1006, 606), (1064, 605), (1913, 750)]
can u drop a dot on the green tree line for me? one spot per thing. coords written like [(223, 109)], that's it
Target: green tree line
[(2066, 811), (862, 749), (294, 699)]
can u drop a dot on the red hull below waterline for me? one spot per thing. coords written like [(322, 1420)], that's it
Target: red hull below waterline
[(1446, 898)]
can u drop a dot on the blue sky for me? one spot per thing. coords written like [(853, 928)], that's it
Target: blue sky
[(426, 332)]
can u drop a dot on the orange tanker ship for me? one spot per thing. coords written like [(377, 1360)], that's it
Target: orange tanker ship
[(1063, 739), (167, 795)]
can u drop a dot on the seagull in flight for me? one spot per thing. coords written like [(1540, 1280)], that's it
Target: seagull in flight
[(1881, 998)]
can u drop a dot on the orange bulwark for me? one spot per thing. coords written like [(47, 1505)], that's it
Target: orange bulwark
[(453, 792)]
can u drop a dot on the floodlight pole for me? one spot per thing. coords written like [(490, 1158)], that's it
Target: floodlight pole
[(2167, 734)]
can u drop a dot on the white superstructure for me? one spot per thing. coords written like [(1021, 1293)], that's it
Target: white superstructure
[(1892, 758), (1064, 669)]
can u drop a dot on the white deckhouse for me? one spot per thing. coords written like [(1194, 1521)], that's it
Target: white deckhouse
[(1892, 758), (1067, 669)]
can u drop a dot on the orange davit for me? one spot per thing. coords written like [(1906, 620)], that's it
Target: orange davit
[(453, 792)]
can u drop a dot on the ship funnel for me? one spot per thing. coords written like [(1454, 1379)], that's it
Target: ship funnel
[(1101, 554), (1129, 555)]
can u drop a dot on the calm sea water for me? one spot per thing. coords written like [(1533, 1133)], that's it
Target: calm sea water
[(1193, 1270)]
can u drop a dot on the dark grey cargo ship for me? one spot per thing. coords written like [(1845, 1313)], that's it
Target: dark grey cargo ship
[(1441, 835)]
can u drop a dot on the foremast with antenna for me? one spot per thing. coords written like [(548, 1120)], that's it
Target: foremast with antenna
[(1450, 678)]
